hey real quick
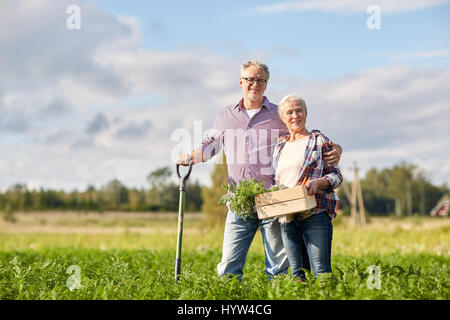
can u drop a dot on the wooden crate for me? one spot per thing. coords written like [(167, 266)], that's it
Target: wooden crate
[(284, 202)]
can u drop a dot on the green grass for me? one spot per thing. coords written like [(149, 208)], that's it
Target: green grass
[(148, 274), (412, 257)]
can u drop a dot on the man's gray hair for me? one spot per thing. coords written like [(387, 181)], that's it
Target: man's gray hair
[(258, 64), (292, 98)]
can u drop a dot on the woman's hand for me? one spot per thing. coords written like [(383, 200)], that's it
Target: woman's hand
[(316, 184), (333, 156)]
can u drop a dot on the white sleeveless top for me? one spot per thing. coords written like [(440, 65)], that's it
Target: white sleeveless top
[(290, 162)]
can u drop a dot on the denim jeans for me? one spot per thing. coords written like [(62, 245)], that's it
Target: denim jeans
[(309, 241), (238, 236)]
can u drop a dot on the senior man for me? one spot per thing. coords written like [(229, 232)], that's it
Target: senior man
[(248, 132)]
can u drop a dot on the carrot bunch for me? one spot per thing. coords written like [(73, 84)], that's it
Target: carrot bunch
[(304, 181)]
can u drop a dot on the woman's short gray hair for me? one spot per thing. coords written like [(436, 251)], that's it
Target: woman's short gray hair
[(292, 98), (258, 64)]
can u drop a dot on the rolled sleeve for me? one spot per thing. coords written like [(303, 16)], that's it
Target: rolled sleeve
[(212, 141), (334, 178), (331, 173), (211, 144)]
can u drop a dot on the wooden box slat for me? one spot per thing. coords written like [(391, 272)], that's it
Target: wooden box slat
[(283, 202)]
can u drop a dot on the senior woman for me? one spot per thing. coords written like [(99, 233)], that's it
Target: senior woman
[(299, 156)]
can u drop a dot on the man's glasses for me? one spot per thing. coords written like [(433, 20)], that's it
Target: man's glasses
[(253, 80)]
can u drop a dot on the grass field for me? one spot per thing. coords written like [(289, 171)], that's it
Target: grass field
[(131, 256)]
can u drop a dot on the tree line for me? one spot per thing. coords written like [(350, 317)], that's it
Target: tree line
[(403, 189), (163, 195)]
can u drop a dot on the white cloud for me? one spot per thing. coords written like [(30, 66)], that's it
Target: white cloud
[(422, 152), (55, 83), (430, 54), (385, 116), (350, 6)]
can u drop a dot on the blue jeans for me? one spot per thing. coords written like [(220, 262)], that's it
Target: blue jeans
[(238, 236), (309, 241)]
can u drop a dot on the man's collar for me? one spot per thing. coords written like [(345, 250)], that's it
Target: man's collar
[(265, 103)]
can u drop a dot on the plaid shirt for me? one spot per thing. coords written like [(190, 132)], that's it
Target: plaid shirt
[(315, 167)]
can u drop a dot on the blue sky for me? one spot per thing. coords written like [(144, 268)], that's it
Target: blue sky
[(317, 43), (107, 101)]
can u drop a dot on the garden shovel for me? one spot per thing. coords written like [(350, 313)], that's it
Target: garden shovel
[(183, 181)]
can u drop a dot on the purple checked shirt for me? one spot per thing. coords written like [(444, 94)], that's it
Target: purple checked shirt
[(248, 143)]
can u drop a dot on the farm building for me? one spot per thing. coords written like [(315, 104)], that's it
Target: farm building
[(441, 209)]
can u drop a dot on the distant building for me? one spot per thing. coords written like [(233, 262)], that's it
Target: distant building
[(441, 209)]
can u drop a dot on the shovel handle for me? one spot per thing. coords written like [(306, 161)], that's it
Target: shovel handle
[(184, 178), (177, 269)]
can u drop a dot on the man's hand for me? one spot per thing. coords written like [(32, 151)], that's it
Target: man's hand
[(185, 159), (196, 156), (333, 156)]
